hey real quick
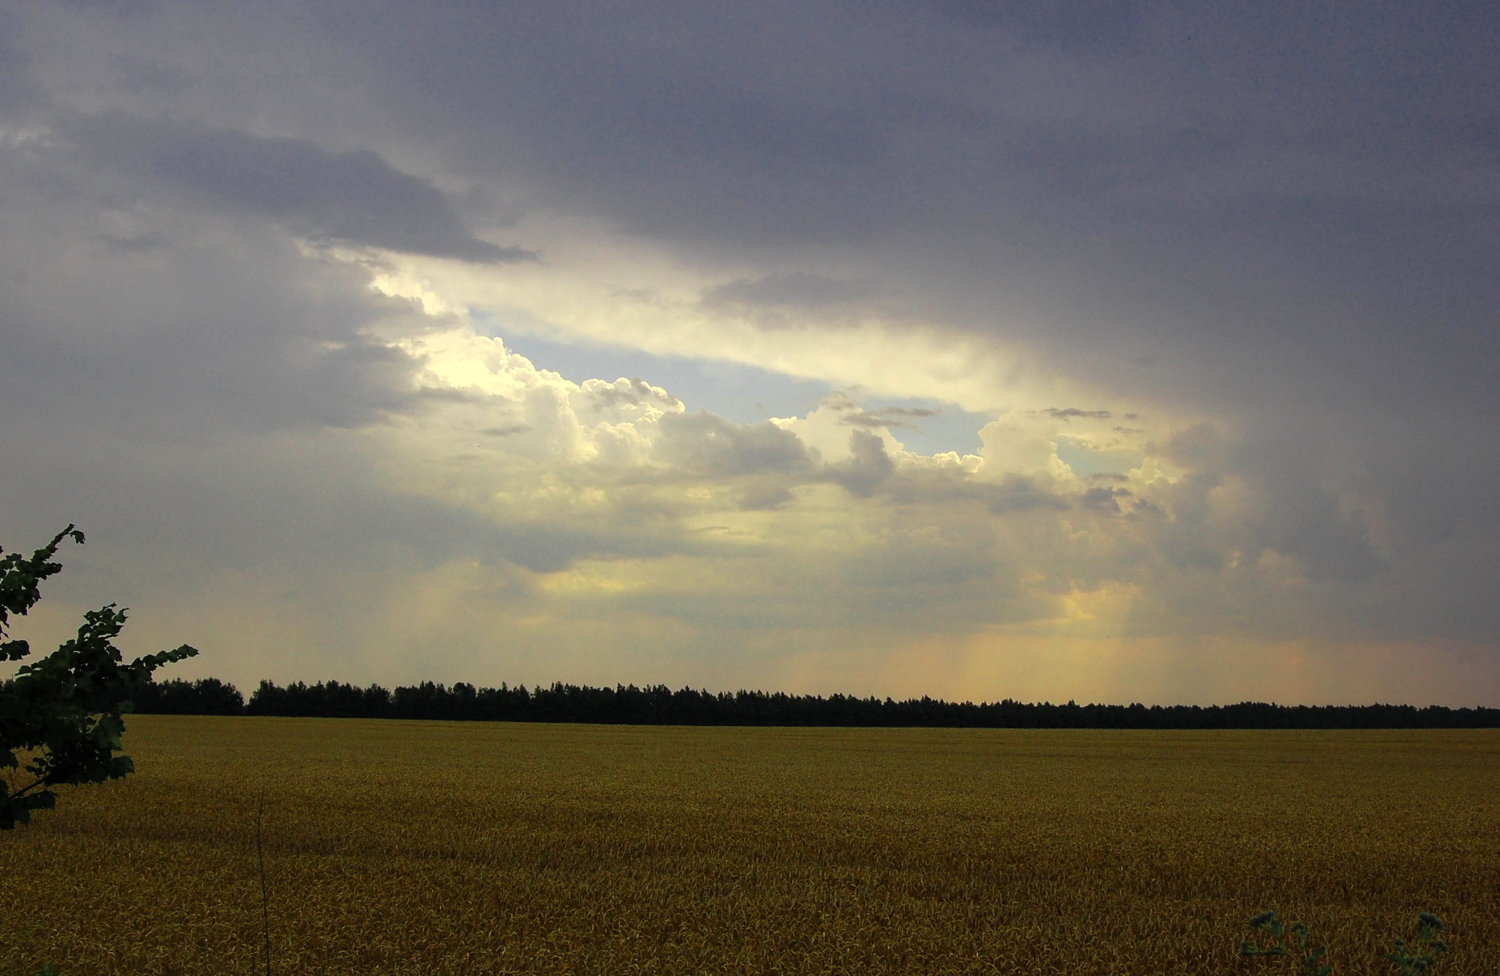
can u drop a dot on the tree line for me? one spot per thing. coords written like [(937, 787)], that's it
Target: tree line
[(659, 705)]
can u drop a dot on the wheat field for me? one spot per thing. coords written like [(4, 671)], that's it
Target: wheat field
[(426, 847)]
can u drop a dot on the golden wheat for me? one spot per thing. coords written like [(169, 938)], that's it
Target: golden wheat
[(424, 847)]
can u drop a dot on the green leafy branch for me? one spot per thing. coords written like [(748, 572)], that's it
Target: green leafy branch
[(63, 714)]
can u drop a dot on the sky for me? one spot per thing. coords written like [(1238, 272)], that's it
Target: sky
[(1112, 351)]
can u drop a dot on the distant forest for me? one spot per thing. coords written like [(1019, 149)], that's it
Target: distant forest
[(659, 705)]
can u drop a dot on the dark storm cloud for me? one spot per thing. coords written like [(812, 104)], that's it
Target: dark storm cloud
[(178, 384), (736, 116), (1303, 515), (670, 118), (136, 323), (355, 197), (1094, 26), (695, 114), (16, 87), (1217, 204), (1256, 197)]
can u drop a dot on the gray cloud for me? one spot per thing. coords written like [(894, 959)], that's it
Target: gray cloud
[(1069, 413), (1097, 26), (707, 445), (885, 417), (1301, 518), (765, 495), (1017, 493), (1103, 499), (190, 338), (17, 90), (866, 469), (354, 197), (851, 414), (692, 112)]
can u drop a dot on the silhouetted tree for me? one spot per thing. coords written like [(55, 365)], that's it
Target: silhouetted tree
[(659, 705), (63, 714)]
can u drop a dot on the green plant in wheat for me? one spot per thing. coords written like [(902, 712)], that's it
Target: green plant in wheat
[(1412, 959), (1408, 958), (1278, 930)]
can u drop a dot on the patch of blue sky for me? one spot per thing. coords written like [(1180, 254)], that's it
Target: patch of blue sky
[(742, 393), (745, 394), (925, 425), (732, 390), (1086, 463)]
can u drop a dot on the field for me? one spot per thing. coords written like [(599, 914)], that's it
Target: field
[(418, 848)]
